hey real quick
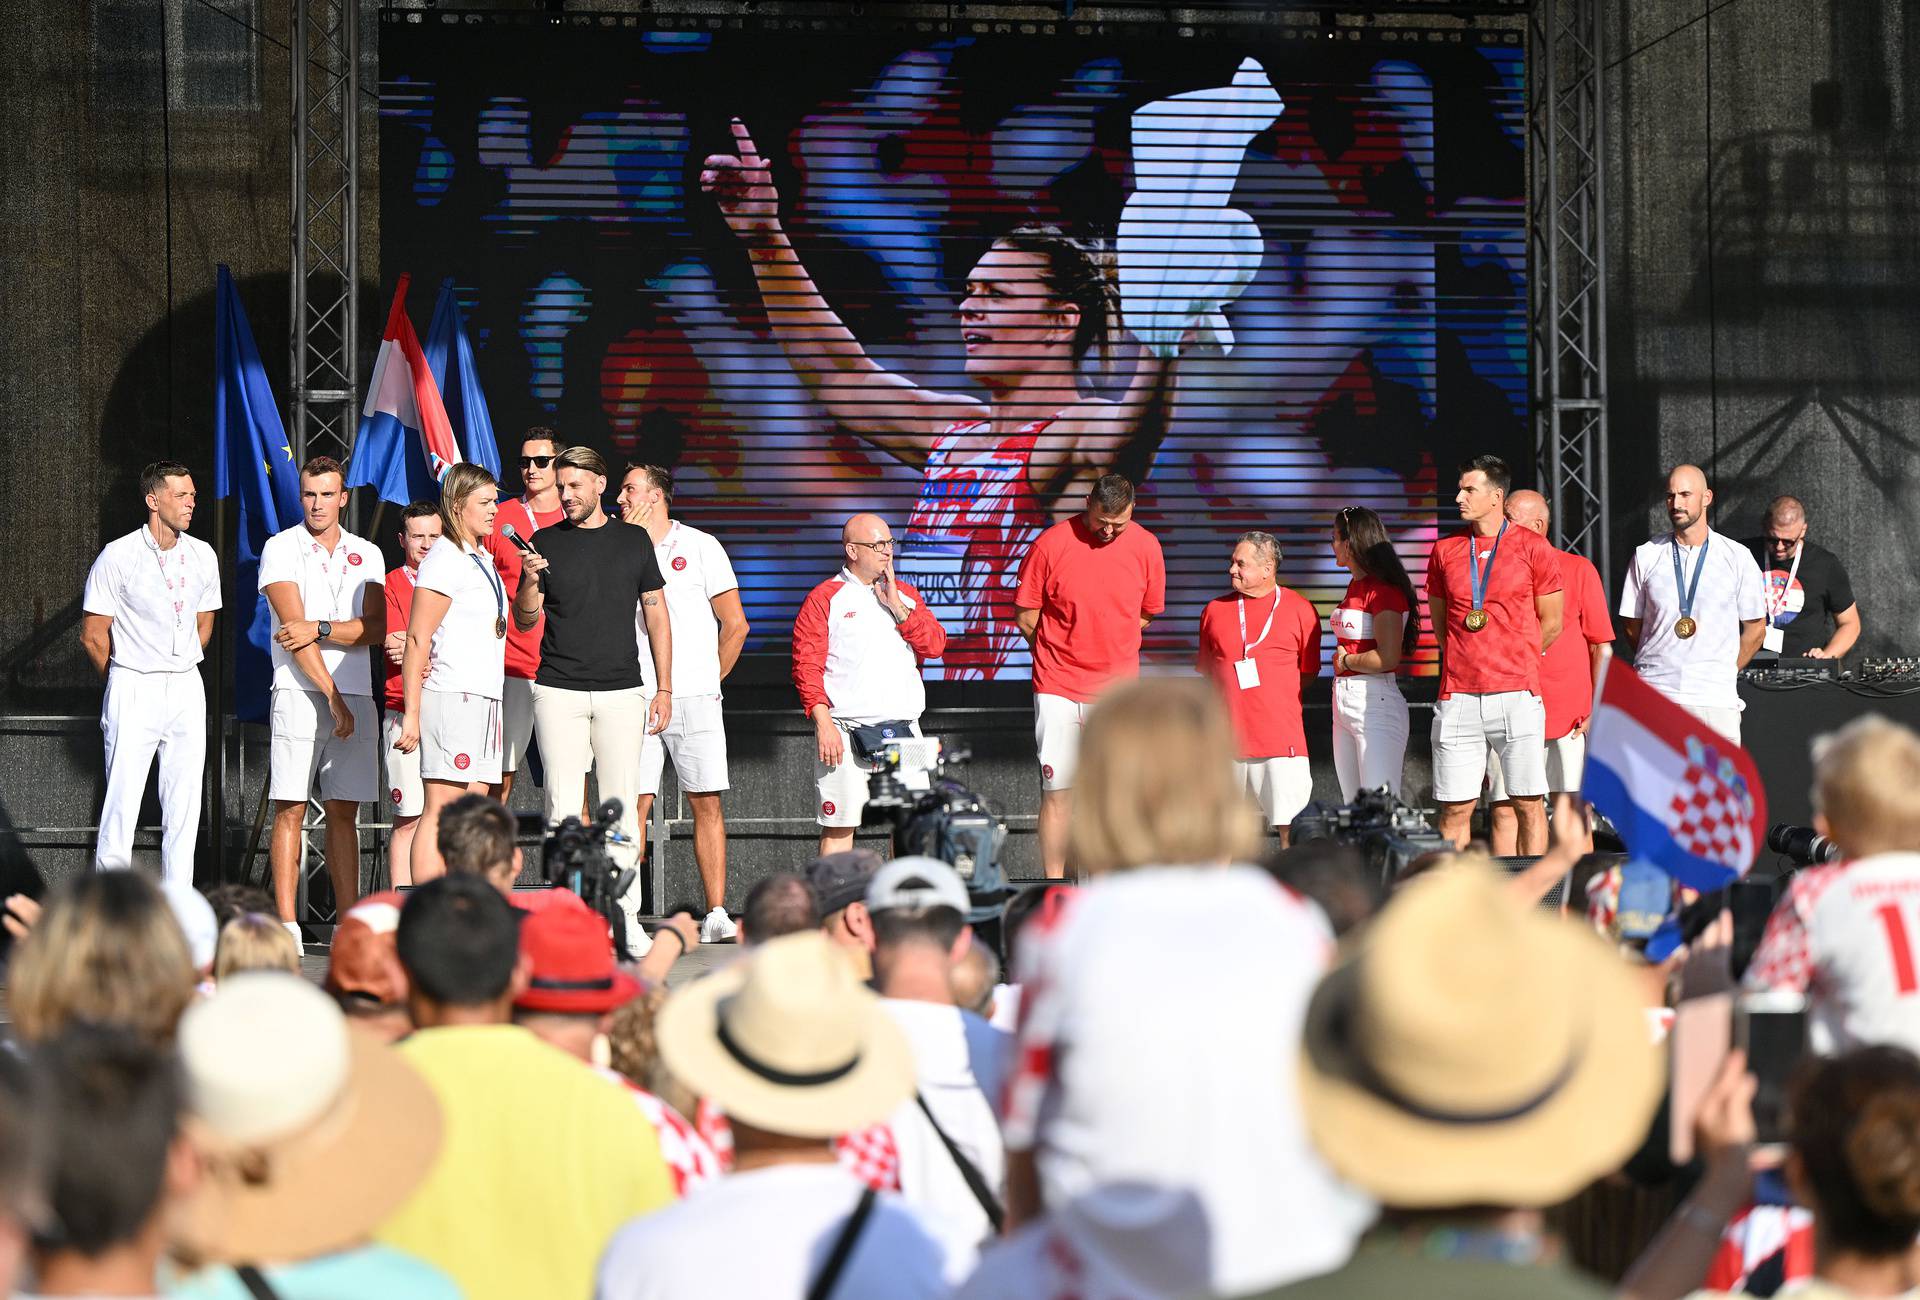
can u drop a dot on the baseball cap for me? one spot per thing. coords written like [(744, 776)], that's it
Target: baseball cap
[(838, 879), (570, 949), (915, 884), (363, 962)]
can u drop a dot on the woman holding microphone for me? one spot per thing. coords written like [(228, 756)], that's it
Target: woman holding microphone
[(455, 660), (1375, 626)]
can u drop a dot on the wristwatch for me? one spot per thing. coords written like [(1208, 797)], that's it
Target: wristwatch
[(326, 630)]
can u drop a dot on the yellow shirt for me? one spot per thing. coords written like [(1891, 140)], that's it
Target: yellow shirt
[(543, 1159)]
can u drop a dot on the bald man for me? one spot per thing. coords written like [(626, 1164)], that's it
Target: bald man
[(1810, 606), (858, 644), (1567, 671), (1695, 607)]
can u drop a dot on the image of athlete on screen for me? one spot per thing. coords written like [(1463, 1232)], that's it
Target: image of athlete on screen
[(995, 473)]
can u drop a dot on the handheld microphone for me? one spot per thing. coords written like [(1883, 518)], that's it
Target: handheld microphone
[(526, 548)]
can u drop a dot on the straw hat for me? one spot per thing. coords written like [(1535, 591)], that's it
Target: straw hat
[(788, 1041), (313, 1133), (1468, 1051)]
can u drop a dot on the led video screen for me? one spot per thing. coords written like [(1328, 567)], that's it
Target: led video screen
[(1318, 247)]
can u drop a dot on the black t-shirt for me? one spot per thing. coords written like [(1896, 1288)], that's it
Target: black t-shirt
[(1818, 591), (597, 578)]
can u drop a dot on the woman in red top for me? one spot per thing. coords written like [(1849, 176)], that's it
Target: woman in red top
[(996, 472), (1375, 626)]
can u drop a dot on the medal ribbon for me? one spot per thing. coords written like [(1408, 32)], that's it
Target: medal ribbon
[(493, 580), (1478, 577), (1685, 589)]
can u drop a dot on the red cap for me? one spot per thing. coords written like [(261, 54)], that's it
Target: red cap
[(364, 960), (571, 950)]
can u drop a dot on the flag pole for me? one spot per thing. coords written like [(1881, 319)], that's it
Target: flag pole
[(217, 815)]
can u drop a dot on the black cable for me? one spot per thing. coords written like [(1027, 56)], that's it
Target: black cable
[(276, 42), (1641, 49), (166, 198), (1713, 298)]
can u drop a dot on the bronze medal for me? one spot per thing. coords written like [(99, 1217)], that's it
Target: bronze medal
[(1476, 619), (1685, 628), (500, 627)]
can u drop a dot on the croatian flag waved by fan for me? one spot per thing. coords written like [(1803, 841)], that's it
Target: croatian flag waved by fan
[(405, 445), (1682, 796)]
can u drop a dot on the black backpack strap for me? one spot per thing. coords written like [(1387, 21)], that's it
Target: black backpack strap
[(843, 1248), (976, 1183), (256, 1284)]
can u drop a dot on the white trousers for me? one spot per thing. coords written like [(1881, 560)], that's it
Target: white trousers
[(597, 729), (144, 714), (1370, 730)]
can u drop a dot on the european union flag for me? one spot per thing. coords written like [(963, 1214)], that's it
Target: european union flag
[(459, 382), (254, 458)]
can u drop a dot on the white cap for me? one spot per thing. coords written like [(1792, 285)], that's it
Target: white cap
[(195, 917), (915, 884)]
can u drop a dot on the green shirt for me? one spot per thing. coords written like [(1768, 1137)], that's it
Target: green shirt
[(1383, 1269)]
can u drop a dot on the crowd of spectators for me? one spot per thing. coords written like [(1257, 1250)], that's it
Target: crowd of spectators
[(1188, 1073)]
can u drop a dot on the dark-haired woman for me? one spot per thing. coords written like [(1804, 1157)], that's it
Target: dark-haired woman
[(995, 473), (1375, 626)]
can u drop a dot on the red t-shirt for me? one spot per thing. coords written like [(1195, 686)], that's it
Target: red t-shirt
[(1505, 654), (1266, 717), (523, 648), (1566, 670), (1353, 616), (399, 610), (1091, 599)]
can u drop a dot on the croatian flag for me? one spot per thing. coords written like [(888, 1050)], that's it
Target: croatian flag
[(1682, 796), (405, 445)]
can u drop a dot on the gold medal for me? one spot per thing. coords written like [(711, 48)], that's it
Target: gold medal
[(1476, 619), (500, 627), (1685, 628)]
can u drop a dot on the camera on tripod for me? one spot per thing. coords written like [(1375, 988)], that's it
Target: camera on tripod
[(574, 857), (1801, 845), (916, 790), (1387, 833)]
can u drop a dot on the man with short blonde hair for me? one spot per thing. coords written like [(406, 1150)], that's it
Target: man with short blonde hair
[(1845, 933)]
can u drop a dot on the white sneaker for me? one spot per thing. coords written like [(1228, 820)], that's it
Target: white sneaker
[(718, 927), (639, 942)]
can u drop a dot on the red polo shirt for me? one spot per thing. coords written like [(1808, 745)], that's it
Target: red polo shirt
[(1266, 717), (1505, 654), (1091, 599), (523, 647), (1566, 670)]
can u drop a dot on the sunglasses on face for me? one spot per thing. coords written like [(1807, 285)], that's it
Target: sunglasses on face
[(535, 462)]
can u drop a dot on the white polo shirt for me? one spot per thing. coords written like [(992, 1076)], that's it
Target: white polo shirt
[(154, 598), (332, 588), (466, 655), (1703, 669), (696, 568)]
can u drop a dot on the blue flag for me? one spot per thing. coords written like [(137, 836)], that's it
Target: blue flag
[(459, 382), (254, 459)]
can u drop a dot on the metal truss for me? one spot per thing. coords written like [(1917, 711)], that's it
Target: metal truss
[(1567, 317), (323, 344)]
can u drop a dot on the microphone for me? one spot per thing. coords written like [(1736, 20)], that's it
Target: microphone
[(526, 548)]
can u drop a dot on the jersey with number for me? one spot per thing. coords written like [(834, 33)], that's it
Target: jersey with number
[(976, 517), (1845, 936)]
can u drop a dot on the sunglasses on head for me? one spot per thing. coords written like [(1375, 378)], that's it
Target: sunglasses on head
[(535, 462)]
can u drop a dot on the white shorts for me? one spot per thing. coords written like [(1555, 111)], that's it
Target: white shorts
[(1566, 757), (408, 796), (459, 737), (306, 758), (840, 791), (516, 722), (696, 741), (1056, 733), (1723, 720), (1465, 726), (1281, 786)]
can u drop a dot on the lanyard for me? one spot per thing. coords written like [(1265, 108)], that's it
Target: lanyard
[(1478, 577), (1777, 600), (333, 584), (493, 581), (1685, 589), (180, 604), (1246, 651)]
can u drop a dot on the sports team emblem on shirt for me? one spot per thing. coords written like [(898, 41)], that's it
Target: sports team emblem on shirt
[(353, 558), (462, 762), (826, 808), (396, 796), (679, 563), (1046, 771)]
